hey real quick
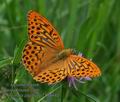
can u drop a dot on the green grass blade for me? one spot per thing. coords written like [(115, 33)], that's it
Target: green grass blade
[(5, 62)]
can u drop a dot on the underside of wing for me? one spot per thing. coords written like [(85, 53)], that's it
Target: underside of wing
[(81, 67)]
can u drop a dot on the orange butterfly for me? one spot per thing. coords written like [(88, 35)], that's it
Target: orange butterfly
[(46, 59)]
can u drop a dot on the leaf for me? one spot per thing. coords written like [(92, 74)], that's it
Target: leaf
[(78, 93), (18, 52), (5, 62)]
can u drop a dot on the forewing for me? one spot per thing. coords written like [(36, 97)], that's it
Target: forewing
[(42, 32), (81, 67)]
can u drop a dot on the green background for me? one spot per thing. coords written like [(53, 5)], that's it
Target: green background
[(89, 26)]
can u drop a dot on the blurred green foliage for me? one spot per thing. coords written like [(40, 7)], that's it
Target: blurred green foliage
[(89, 26)]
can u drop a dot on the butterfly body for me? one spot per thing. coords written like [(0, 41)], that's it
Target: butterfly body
[(64, 53), (46, 59)]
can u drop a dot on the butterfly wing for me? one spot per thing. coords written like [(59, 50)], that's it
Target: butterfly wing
[(42, 32), (43, 45), (81, 67), (74, 65), (36, 58), (54, 73)]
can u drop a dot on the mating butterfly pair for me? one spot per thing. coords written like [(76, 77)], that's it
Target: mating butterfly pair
[(46, 59)]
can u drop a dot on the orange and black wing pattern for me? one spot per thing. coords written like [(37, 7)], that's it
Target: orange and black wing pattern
[(81, 67), (46, 59), (42, 32), (43, 44)]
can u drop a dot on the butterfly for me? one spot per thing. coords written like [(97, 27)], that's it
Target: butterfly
[(45, 57)]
